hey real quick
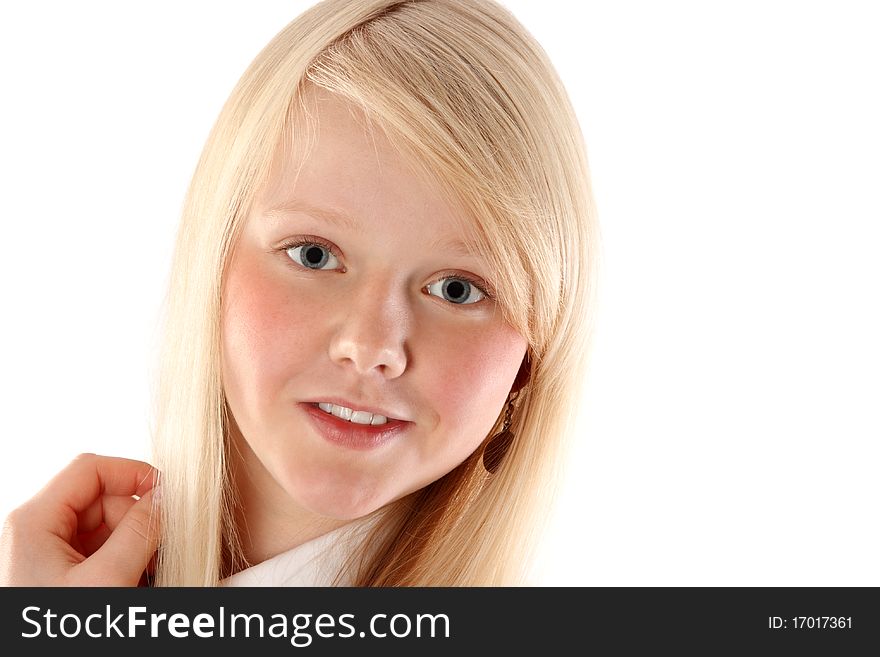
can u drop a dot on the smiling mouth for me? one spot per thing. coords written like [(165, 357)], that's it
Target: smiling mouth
[(354, 435)]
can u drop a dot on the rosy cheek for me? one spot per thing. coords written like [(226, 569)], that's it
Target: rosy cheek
[(471, 380), (264, 330)]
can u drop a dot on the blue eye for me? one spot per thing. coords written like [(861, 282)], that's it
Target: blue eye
[(458, 290), (311, 255)]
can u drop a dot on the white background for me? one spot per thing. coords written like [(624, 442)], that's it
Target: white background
[(729, 434)]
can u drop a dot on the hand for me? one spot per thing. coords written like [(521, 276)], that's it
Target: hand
[(84, 528)]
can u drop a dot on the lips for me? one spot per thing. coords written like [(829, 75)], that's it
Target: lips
[(352, 435)]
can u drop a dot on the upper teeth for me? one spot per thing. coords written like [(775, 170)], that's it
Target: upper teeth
[(358, 417)]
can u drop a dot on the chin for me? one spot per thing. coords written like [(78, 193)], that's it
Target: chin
[(340, 500)]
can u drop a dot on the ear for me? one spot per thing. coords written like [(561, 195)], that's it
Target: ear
[(522, 377)]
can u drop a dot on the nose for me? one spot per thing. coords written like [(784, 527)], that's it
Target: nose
[(371, 334)]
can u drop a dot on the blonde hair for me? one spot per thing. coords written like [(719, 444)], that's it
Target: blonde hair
[(461, 87)]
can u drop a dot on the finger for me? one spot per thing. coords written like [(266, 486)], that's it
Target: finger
[(108, 509), (83, 481), (90, 475), (126, 553), (89, 543)]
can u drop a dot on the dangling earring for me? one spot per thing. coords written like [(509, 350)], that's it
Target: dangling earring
[(499, 444)]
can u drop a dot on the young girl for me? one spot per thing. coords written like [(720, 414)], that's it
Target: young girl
[(377, 325)]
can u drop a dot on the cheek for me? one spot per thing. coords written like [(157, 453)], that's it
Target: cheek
[(264, 333), (473, 380)]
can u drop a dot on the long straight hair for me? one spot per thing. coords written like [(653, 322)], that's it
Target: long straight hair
[(463, 90)]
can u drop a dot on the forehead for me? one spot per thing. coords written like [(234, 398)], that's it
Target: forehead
[(343, 169)]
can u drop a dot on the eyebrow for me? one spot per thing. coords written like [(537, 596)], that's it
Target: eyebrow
[(452, 245)]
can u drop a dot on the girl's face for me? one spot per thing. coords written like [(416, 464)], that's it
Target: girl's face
[(346, 287)]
